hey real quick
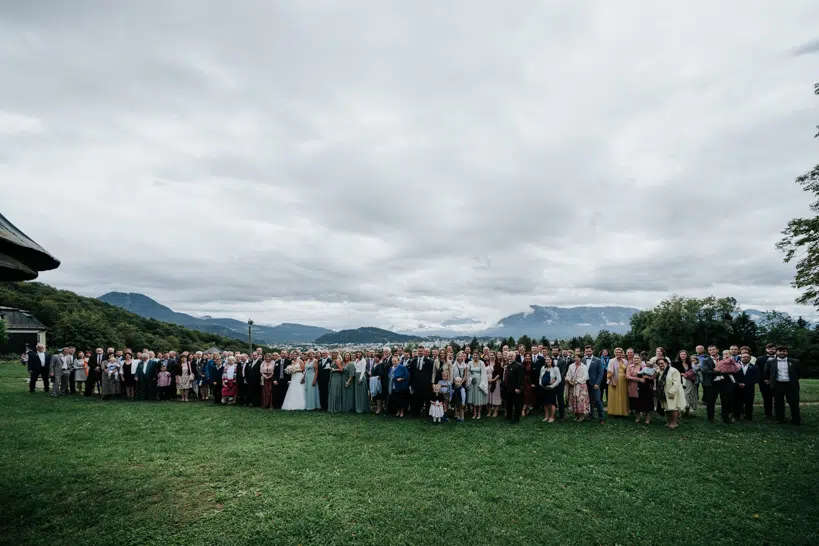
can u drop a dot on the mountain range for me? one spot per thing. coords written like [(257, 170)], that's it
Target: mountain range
[(146, 307), (552, 322), (560, 322)]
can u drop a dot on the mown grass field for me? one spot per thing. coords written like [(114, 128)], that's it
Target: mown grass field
[(82, 471)]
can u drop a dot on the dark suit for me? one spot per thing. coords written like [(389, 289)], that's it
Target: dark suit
[(765, 388), (709, 392), (420, 369), (534, 379), (172, 365), (563, 365), (95, 365), (242, 374), (281, 381), (785, 389), (254, 383), (146, 379), (513, 379), (324, 380), (744, 396), (597, 374), (37, 369)]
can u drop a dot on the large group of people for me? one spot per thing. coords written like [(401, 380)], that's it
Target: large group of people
[(442, 383)]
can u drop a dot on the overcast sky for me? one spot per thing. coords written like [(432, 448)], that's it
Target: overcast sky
[(400, 163)]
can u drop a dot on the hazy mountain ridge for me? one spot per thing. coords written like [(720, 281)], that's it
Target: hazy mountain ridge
[(144, 306), (367, 334)]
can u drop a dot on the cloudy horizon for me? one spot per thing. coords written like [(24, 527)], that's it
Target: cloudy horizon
[(400, 164)]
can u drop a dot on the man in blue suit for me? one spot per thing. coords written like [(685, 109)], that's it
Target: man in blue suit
[(597, 372)]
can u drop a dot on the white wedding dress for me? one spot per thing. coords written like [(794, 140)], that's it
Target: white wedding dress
[(296, 397)]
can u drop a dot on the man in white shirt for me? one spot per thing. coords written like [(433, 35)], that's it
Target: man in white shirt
[(784, 381), (61, 366), (38, 366)]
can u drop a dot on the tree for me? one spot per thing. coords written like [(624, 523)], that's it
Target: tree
[(474, 345), (544, 341), (526, 341), (510, 342), (3, 335), (607, 340), (800, 239)]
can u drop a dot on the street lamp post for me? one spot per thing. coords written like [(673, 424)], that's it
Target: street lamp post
[(250, 335)]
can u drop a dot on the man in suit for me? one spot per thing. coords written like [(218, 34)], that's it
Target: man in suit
[(242, 377), (764, 371), (147, 372), (560, 358), (709, 393), (783, 377), (513, 378), (597, 372), (172, 365), (746, 378), (281, 379), (39, 365), (61, 366), (325, 365), (420, 368), (254, 380), (537, 363), (96, 362)]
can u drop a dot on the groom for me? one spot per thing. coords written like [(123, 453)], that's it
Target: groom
[(281, 379)]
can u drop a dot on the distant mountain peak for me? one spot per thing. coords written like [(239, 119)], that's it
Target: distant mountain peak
[(146, 307)]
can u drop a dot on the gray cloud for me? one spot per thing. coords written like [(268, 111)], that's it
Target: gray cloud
[(395, 165), (807, 48)]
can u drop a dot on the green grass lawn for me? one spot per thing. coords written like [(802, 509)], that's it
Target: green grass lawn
[(86, 472)]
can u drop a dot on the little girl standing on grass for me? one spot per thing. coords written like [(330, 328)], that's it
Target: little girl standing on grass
[(163, 382), (458, 400), (445, 388)]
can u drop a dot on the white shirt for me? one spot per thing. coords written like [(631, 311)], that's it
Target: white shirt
[(230, 372), (66, 360), (42, 358), (744, 368), (782, 370), (134, 366)]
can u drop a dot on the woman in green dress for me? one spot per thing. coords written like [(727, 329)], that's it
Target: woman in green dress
[(361, 384), (336, 388), (348, 395)]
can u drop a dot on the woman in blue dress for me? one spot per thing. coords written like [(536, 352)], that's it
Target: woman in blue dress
[(399, 387), (311, 381)]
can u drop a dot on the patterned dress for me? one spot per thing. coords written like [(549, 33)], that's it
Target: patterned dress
[(185, 379)]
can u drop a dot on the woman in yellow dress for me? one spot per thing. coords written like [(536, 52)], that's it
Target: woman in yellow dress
[(618, 385)]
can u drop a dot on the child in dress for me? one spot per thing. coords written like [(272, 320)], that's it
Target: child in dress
[(112, 368), (445, 387), (647, 370), (436, 406), (163, 382), (459, 399)]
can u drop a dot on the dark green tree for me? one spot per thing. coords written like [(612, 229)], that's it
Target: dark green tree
[(526, 341), (474, 344), (3, 335), (510, 342), (800, 239)]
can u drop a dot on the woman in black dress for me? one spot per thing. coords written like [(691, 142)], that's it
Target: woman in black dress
[(129, 380), (645, 395)]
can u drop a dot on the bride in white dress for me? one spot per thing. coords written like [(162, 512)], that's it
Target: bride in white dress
[(296, 398)]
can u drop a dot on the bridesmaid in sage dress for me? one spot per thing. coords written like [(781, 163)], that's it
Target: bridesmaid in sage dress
[(311, 382), (361, 386), (348, 395), (336, 388)]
